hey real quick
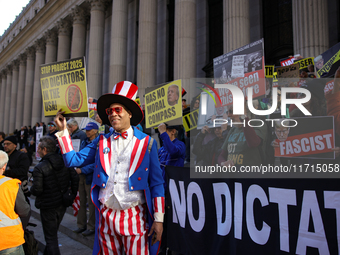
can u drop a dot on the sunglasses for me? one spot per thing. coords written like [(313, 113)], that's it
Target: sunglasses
[(117, 109)]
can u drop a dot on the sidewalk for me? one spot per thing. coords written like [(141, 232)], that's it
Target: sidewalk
[(70, 243)]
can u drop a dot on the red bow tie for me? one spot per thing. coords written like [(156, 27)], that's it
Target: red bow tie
[(116, 135)]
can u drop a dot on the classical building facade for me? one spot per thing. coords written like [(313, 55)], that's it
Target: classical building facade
[(148, 42)]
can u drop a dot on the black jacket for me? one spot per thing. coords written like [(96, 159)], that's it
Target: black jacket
[(45, 186), (18, 165)]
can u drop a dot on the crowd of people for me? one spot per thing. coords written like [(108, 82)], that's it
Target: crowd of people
[(120, 172)]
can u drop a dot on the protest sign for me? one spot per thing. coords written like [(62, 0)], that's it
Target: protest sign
[(38, 135), (243, 67), (304, 63), (329, 87), (63, 86), (163, 104), (213, 113), (190, 120), (328, 62), (138, 101), (269, 71), (313, 137), (291, 71), (251, 216), (287, 61)]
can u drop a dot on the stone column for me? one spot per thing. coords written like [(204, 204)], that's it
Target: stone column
[(37, 104), (29, 86), (96, 48), (8, 99), (162, 41), (50, 57), (3, 95), (310, 27), (14, 93), (51, 46), (79, 32), (21, 92), (64, 40), (147, 45), (236, 31), (118, 51), (185, 39)]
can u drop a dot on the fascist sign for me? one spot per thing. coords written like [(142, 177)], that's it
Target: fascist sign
[(63, 86), (312, 137), (163, 104)]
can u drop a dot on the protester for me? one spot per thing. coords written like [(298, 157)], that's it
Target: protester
[(2, 137), (123, 152), (12, 206), (184, 103), (17, 167), (333, 102), (74, 130), (85, 180), (244, 144), (207, 154), (23, 137), (172, 153), (50, 181)]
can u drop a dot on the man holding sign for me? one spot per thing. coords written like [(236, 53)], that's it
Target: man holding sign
[(127, 185)]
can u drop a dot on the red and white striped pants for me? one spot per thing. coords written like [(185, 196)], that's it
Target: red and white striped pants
[(128, 228)]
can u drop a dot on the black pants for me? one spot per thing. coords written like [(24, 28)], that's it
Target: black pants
[(50, 220)]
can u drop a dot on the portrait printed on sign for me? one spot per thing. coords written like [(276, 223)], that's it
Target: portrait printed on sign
[(162, 104), (311, 137), (74, 98)]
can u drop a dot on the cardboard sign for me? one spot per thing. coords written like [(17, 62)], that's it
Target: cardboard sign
[(63, 86)]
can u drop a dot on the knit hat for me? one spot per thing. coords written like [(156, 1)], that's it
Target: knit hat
[(12, 139)]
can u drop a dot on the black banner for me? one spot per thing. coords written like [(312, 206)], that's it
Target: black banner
[(252, 216)]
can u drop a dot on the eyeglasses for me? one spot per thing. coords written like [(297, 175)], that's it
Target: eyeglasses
[(51, 125), (118, 110), (6, 144)]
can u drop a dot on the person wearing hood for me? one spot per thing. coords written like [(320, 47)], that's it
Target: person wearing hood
[(50, 181)]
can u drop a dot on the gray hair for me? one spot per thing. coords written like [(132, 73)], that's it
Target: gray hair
[(3, 158), (72, 122), (49, 143)]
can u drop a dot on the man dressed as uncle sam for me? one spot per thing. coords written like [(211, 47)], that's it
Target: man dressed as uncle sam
[(127, 187)]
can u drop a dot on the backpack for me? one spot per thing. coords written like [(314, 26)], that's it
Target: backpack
[(31, 245)]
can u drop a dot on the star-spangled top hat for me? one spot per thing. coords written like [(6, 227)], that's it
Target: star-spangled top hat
[(124, 93)]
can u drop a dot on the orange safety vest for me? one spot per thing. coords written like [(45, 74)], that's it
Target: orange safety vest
[(11, 232)]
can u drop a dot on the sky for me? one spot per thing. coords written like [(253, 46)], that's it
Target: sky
[(9, 9)]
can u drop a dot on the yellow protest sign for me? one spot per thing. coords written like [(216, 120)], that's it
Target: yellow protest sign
[(91, 114), (138, 101), (163, 104), (63, 86), (269, 71), (305, 62), (190, 120)]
